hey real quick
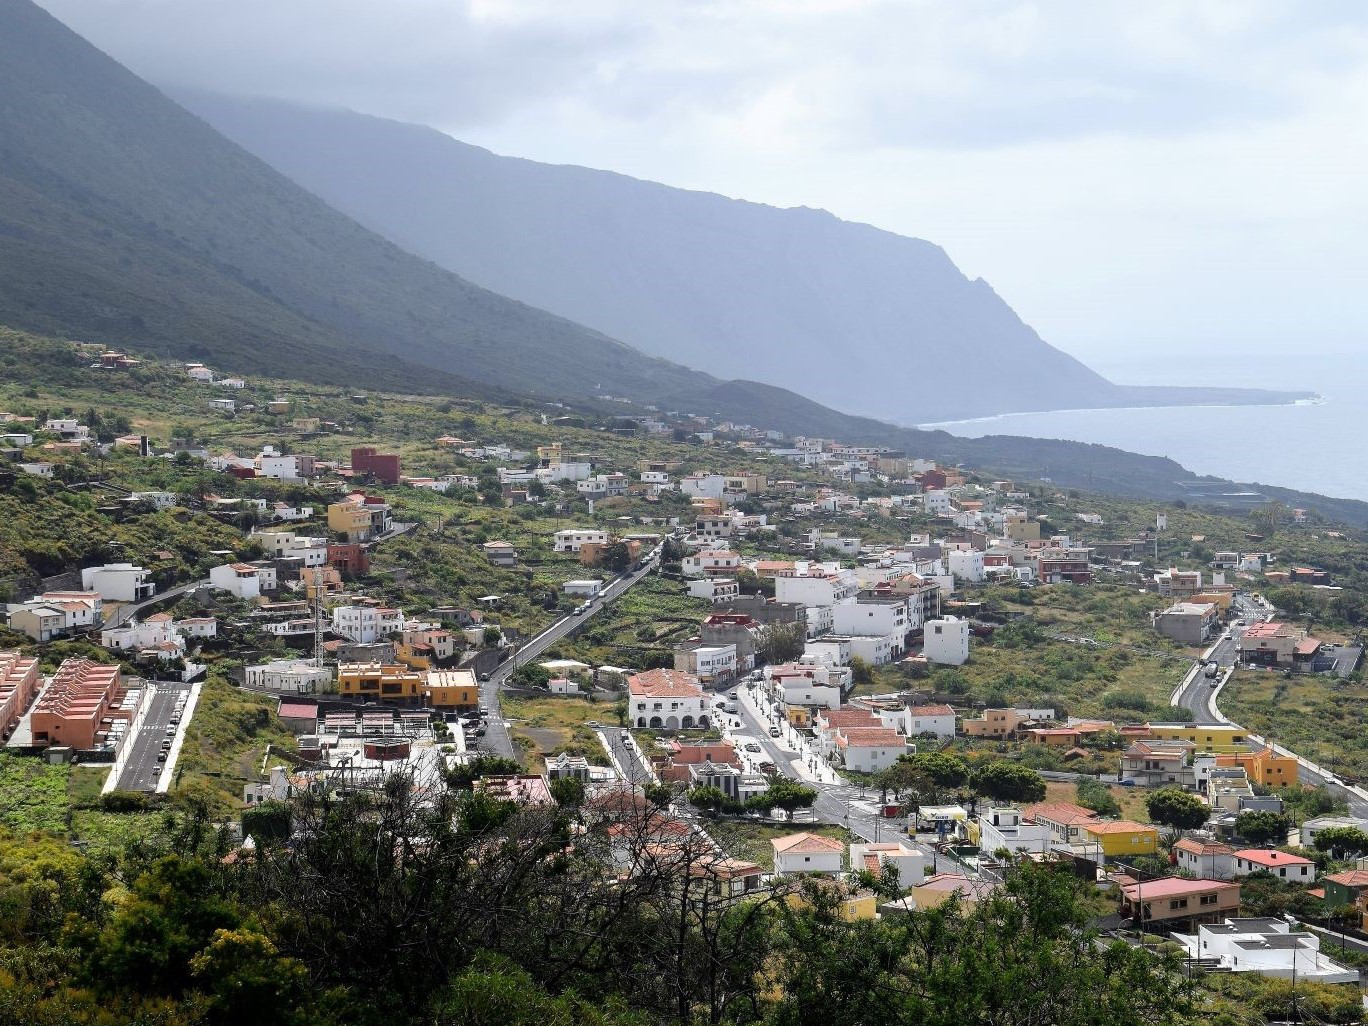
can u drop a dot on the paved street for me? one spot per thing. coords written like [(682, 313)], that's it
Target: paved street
[(142, 769), (628, 757), (496, 739)]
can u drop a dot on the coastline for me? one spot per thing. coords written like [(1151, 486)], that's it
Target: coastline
[(1309, 399)]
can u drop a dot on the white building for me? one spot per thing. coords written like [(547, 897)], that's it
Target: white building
[(710, 562), (667, 700), (156, 632), (714, 589), (1312, 827), (966, 565), (870, 749), (711, 664), (583, 588), (930, 719), (938, 502), (876, 650), (1003, 828), (872, 618), (289, 677), (246, 581), (365, 625), (946, 641), (118, 582), (572, 539), (833, 651), (874, 857), (808, 853), (1267, 947), (821, 586)]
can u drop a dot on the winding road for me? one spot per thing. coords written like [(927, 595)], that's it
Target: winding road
[(496, 739)]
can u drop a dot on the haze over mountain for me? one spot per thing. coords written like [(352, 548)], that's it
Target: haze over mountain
[(125, 219), (855, 317)]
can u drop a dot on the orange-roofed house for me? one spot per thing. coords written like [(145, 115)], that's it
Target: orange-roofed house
[(18, 682), (938, 889), (870, 749), (1064, 820), (1284, 865), (1176, 902), (667, 700), (808, 853), (1210, 860), (79, 705)]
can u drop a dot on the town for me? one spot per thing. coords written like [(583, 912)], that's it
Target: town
[(882, 675)]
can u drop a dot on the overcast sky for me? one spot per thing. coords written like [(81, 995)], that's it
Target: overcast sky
[(1133, 177)]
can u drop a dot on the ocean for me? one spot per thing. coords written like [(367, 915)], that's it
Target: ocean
[(1316, 447)]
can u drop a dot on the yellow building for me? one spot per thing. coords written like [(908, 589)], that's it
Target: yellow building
[(994, 723), (1119, 838), (1264, 767), (386, 682), (451, 689), (854, 904), (350, 519), (1209, 738), (799, 716)]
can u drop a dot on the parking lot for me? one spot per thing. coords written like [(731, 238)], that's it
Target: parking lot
[(146, 759)]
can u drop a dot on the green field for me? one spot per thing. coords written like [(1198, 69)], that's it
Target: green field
[(1318, 716)]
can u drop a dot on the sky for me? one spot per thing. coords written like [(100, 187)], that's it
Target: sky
[(1139, 180)]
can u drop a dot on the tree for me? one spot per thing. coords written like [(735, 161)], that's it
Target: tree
[(617, 557), (1095, 795), (568, 792), (861, 672), (464, 775), (267, 823), (1342, 842), (1176, 808), (781, 642), (710, 799), (785, 794), (491, 637), (1005, 781), (1262, 827), (948, 771)]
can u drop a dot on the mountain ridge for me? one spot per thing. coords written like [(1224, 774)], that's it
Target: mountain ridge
[(860, 318)]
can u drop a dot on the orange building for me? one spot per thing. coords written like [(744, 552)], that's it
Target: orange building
[(18, 682), (1264, 767), (79, 705)]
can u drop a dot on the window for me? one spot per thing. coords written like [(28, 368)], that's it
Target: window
[(1208, 899), (1177, 903)]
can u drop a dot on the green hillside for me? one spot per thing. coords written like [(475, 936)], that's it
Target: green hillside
[(125, 219)]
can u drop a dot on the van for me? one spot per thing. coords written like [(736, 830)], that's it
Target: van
[(625, 735)]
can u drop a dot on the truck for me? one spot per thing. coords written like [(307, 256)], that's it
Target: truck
[(1213, 670)]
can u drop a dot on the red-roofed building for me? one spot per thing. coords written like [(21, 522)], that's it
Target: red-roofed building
[(1207, 859), (1284, 865), (1175, 901), (667, 700), (808, 853), (931, 719), (1064, 820), (870, 749), (79, 706)]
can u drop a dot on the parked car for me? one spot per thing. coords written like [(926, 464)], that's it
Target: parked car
[(775, 732), (161, 756)]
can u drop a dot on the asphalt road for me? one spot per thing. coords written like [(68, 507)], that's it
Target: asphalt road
[(142, 769), (128, 612), (633, 767), (1198, 698), (496, 739)]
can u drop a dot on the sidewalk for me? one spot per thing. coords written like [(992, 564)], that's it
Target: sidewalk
[(823, 774)]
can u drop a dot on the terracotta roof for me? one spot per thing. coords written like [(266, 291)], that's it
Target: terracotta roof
[(1196, 847), (1349, 878), (665, 684), (871, 737), (1271, 857), (1059, 812), (848, 718), (1173, 887), (931, 710), (1120, 826), (805, 844)]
